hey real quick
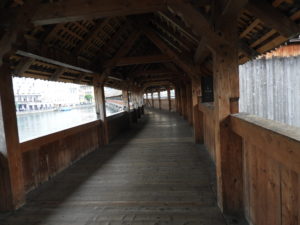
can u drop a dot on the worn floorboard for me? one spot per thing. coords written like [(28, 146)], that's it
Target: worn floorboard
[(152, 175)]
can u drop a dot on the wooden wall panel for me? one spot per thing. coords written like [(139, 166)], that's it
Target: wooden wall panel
[(46, 156), (271, 184), (209, 138), (44, 161), (117, 124), (165, 104)]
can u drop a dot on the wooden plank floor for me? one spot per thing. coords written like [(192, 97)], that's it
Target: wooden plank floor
[(152, 175)]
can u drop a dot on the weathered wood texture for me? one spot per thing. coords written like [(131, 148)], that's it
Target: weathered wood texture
[(11, 181), (140, 178), (46, 156), (271, 170), (118, 124), (270, 88), (207, 110), (165, 104)]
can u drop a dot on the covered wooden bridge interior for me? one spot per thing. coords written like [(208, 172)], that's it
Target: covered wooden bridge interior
[(146, 46)]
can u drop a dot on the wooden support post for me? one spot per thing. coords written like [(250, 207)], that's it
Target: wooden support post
[(189, 110), (101, 112), (179, 100), (152, 99), (125, 95), (12, 194), (228, 145), (169, 99), (183, 101), (159, 100), (197, 114)]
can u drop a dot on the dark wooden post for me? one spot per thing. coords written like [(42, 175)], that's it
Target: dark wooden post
[(147, 100), (197, 115), (152, 99), (159, 100), (125, 95), (189, 107), (228, 146), (179, 100), (101, 111), (183, 101), (12, 194), (169, 99)]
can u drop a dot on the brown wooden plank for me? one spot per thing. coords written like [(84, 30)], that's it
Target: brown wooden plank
[(12, 183), (134, 60), (290, 196), (273, 18), (278, 141)]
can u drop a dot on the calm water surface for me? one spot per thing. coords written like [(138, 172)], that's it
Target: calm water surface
[(39, 124)]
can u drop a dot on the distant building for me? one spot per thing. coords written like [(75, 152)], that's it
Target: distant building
[(35, 95)]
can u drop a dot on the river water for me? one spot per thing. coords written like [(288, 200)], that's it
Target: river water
[(35, 125)]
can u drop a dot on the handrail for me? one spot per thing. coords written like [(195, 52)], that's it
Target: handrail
[(279, 141), (36, 143)]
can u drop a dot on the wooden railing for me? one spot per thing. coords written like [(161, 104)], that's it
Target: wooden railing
[(118, 123), (271, 170), (164, 104), (46, 156)]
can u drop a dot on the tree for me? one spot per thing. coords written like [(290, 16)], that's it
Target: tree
[(88, 98)]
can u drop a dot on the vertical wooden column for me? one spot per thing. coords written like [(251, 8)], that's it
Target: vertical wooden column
[(183, 101), (189, 107), (147, 100), (12, 194), (125, 95), (101, 111), (159, 100), (197, 114), (152, 99), (169, 99), (228, 145), (179, 103), (176, 100)]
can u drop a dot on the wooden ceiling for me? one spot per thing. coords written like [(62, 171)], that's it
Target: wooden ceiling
[(140, 44)]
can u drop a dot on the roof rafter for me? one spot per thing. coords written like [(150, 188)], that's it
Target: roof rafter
[(273, 18), (74, 10), (190, 69), (125, 61)]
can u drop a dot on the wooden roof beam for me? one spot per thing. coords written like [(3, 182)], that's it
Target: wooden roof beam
[(273, 18), (200, 25), (124, 49), (202, 52), (91, 35), (23, 65), (184, 42), (75, 10), (180, 26), (189, 68), (58, 72), (153, 72), (126, 61)]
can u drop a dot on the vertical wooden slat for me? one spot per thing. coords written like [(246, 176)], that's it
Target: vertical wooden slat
[(290, 194)]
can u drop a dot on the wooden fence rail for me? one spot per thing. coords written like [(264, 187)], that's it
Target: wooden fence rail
[(271, 170)]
